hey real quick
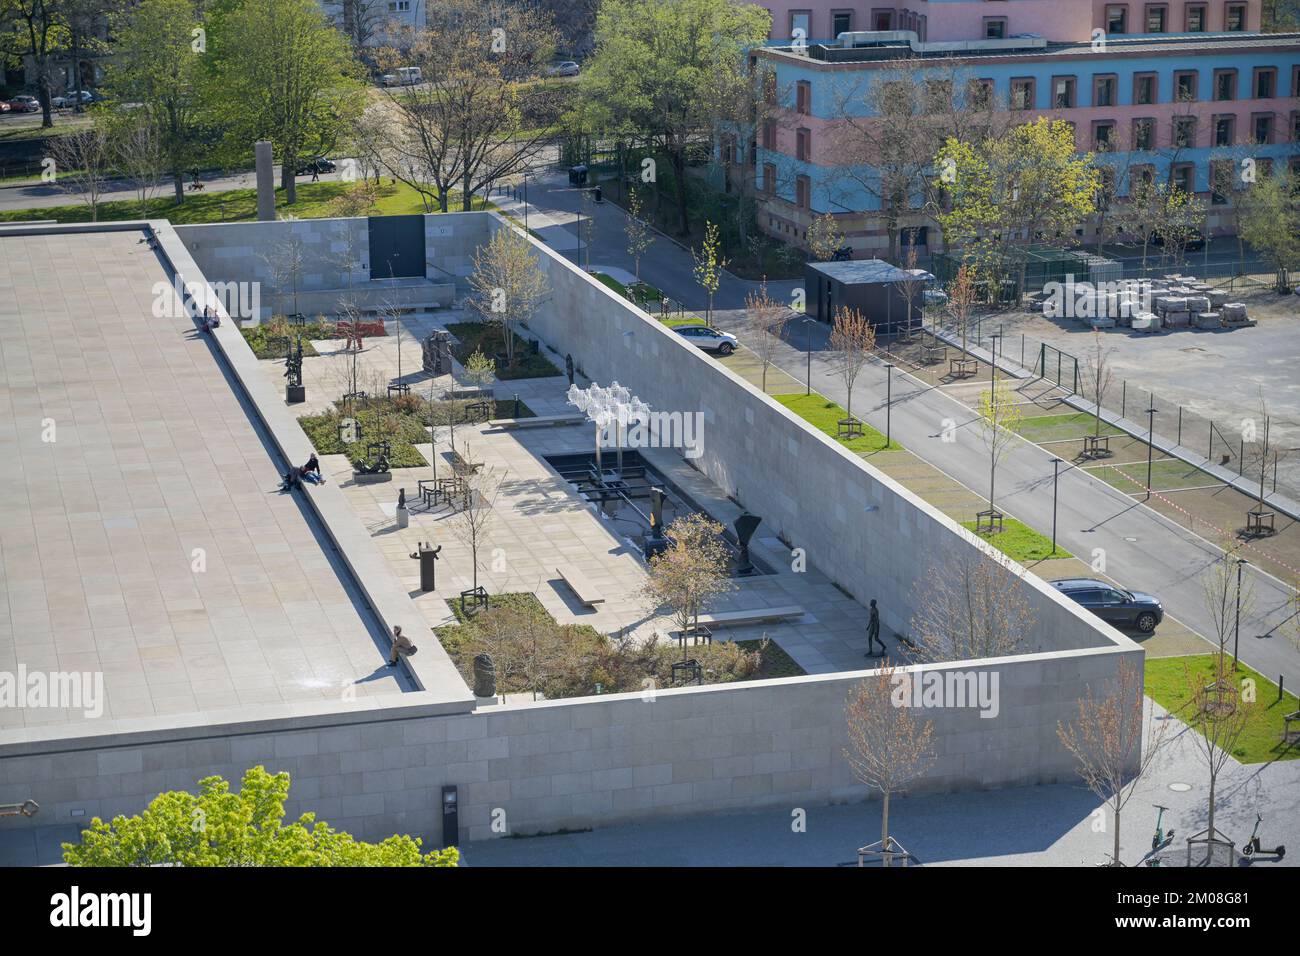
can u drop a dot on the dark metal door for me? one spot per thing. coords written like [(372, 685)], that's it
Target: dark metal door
[(396, 247)]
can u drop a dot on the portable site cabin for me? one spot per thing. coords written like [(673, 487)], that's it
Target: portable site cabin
[(872, 286)]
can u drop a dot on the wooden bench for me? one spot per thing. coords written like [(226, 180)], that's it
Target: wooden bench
[(753, 616), (579, 585), (541, 421)]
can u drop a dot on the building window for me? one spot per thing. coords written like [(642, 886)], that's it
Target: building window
[(1224, 130), (1184, 132), (1225, 85), (1103, 90), (1155, 17), (1234, 17), (1221, 176), (1022, 94), (802, 192), (753, 152), (938, 95), (803, 97), (1145, 88), (800, 20), (882, 19), (1144, 134), (1263, 128), (979, 94), (1062, 92), (995, 28), (1295, 81), (1185, 86), (1141, 175), (1103, 136), (399, 6), (1295, 127), (1117, 19), (1181, 176), (803, 144), (841, 22), (769, 134), (1265, 82), (769, 178), (1194, 18)]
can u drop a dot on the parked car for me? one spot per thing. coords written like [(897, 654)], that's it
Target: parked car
[(1194, 243), (25, 104), (70, 99), (5, 107), (709, 339), (405, 76), (1114, 605), (321, 165), (565, 68)]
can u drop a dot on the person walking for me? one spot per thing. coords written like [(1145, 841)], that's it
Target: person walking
[(873, 633), (402, 646)]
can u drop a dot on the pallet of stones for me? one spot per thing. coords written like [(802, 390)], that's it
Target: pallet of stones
[(1180, 302)]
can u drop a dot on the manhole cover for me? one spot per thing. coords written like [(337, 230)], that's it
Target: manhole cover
[(1180, 787), (1130, 539)]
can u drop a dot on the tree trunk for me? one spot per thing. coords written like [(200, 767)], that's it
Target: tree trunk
[(1115, 852), (884, 831), (178, 184), (1210, 828), (288, 181)]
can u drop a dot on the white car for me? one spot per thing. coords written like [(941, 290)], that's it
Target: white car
[(567, 68), (70, 99), (708, 338)]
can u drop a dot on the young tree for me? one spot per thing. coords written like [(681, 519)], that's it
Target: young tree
[(691, 571), (137, 152), (473, 520), (1224, 601), (655, 67), (889, 745), (1108, 742), (157, 63), (81, 160), (854, 337), (974, 605), (1015, 188), (639, 234), (508, 283), (768, 320), (913, 286), (709, 264), (1000, 419), (1270, 222), (1218, 714), (280, 71), (961, 303), (824, 237), (1099, 375), (220, 828)]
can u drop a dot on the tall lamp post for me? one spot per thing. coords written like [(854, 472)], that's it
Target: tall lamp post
[(1151, 428), (808, 347), (1236, 626), (525, 200), (1056, 474), (889, 399)]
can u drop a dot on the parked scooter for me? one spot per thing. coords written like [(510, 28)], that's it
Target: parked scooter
[(1161, 839), (1252, 845)]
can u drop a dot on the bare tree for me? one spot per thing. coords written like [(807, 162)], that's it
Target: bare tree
[(889, 745), (854, 337), (640, 237), (137, 152), (1219, 714), (974, 605), (768, 319), (913, 285), (508, 283), (824, 237), (1099, 373), (473, 520), (1001, 417), (81, 163), (691, 571), (1227, 593), (961, 302), (1108, 742)]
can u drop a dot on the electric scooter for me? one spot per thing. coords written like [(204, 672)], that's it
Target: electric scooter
[(1161, 839), (1252, 845)]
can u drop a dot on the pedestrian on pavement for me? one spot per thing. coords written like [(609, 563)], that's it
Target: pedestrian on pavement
[(402, 646), (873, 633), (568, 366)]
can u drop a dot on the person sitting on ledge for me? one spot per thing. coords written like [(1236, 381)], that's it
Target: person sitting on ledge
[(311, 471), (210, 319), (291, 480)]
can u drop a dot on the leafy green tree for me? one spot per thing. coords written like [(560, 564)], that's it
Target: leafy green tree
[(1270, 222), (280, 71), (1018, 187), (158, 63), (709, 263), (654, 71), (220, 828)]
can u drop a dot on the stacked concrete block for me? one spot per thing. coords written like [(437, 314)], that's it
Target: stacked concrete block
[(1146, 322), (1207, 320)]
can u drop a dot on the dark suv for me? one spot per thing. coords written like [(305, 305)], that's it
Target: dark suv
[(1127, 609)]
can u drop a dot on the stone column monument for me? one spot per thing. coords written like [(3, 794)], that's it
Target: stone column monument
[(265, 181)]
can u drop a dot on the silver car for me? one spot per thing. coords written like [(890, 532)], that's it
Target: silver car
[(709, 339)]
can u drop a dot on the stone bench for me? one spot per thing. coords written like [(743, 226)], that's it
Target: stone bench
[(756, 615), (540, 421), (582, 588)]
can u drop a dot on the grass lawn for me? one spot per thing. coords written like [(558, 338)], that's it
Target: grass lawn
[(272, 342), (234, 205), (1169, 474), (775, 661), (644, 293), (1062, 427), (472, 336), (823, 414), (1166, 683), (1020, 542)]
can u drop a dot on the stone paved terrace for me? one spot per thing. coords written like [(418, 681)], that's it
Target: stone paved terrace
[(155, 456)]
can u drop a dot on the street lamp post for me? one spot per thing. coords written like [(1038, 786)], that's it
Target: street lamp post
[(1056, 474), (1151, 427), (1236, 626), (889, 399)]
